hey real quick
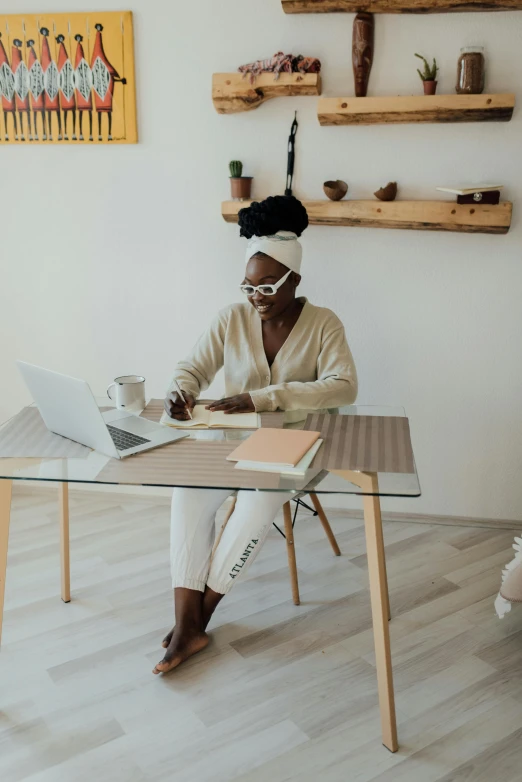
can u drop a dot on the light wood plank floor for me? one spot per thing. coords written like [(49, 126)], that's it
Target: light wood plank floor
[(283, 692)]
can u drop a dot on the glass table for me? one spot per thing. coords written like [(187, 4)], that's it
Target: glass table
[(199, 460)]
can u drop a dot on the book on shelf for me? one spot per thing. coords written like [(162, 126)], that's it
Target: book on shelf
[(469, 189)]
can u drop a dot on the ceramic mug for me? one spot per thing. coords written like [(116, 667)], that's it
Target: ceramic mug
[(129, 392)]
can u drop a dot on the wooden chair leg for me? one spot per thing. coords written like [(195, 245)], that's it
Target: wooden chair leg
[(380, 609), (5, 517), (290, 550), (65, 563), (326, 524)]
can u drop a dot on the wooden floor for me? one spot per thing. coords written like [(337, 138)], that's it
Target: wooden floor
[(282, 692)]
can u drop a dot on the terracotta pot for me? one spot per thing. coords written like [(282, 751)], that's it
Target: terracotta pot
[(240, 187), (430, 87)]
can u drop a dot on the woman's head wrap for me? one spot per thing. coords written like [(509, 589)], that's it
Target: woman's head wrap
[(283, 246)]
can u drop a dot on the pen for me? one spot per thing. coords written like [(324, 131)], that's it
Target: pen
[(180, 392)]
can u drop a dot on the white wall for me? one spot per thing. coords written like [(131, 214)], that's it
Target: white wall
[(114, 258)]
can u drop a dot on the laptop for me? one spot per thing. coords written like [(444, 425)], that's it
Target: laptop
[(68, 408)]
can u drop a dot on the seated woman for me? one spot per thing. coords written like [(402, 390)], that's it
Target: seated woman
[(279, 352)]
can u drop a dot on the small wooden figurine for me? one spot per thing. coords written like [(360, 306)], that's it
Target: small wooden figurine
[(362, 52)]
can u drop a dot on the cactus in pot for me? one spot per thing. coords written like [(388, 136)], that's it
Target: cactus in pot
[(239, 185), (236, 168)]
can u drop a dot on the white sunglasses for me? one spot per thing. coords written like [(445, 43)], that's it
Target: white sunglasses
[(264, 290)]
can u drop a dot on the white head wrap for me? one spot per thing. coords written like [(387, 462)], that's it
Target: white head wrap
[(284, 246)]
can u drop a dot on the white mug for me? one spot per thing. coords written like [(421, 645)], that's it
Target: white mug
[(129, 392)]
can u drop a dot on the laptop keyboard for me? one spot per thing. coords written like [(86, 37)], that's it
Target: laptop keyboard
[(125, 440)]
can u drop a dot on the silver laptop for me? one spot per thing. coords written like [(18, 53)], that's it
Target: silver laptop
[(68, 408)]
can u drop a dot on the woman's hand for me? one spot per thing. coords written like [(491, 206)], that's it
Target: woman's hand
[(234, 404), (176, 407)]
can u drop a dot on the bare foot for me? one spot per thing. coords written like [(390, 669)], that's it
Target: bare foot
[(168, 638), (207, 616), (180, 648)]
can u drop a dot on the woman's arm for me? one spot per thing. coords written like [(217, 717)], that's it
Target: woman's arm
[(336, 383), (198, 370)]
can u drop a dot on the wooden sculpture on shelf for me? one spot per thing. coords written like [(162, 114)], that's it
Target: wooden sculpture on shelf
[(362, 52)]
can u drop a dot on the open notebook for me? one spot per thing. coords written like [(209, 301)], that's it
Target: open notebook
[(206, 419)]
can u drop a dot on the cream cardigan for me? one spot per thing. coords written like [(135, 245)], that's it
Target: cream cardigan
[(313, 370)]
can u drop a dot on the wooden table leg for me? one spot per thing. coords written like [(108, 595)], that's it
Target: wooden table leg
[(5, 517), (380, 609), (380, 602), (63, 494)]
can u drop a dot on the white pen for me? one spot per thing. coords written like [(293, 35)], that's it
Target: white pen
[(180, 392)]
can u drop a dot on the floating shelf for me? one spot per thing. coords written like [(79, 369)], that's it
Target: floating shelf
[(416, 108), (231, 93), (397, 6), (414, 215)]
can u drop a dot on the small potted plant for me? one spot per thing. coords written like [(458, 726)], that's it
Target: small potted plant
[(239, 185), (429, 76)]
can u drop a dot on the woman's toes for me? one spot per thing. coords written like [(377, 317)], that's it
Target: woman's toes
[(168, 638), (163, 667), (180, 649)]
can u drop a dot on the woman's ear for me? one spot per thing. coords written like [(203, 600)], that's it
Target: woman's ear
[(296, 278)]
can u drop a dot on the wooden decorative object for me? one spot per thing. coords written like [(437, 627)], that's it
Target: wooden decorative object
[(397, 6), (413, 215), (388, 193), (231, 93), (362, 52), (416, 108), (335, 189)]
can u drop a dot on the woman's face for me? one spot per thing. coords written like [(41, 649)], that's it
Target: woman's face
[(262, 270)]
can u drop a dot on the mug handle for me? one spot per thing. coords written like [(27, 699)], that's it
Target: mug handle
[(112, 385)]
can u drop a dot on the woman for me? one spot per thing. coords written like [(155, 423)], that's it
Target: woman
[(279, 352)]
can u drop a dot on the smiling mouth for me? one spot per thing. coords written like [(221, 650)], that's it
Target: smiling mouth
[(263, 307)]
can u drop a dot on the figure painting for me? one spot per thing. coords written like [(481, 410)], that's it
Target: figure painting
[(67, 78)]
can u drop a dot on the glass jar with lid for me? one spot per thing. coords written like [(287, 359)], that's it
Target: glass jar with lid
[(470, 71)]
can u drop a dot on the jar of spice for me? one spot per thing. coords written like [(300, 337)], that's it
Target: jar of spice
[(470, 70)]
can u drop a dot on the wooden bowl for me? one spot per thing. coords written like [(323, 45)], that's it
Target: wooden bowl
[(387, 193), (335, 189)]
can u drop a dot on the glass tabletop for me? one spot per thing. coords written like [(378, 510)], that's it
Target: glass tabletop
[(199, 460)]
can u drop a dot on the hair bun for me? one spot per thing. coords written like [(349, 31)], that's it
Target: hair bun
[(276, 213)]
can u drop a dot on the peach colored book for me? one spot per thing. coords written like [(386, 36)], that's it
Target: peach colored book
[(275, 446)]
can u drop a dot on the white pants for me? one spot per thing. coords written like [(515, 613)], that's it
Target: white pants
[(192, 533)]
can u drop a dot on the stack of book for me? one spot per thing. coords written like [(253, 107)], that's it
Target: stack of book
[(285, 451)]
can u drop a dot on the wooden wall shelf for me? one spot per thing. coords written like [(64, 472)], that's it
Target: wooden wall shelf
[(397, 6), (416, 108), (414, 215), (231, 93)]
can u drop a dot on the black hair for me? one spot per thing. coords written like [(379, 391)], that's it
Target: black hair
[(276, 213)]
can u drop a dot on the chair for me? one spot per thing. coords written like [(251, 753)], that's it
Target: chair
[(288, 534)]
